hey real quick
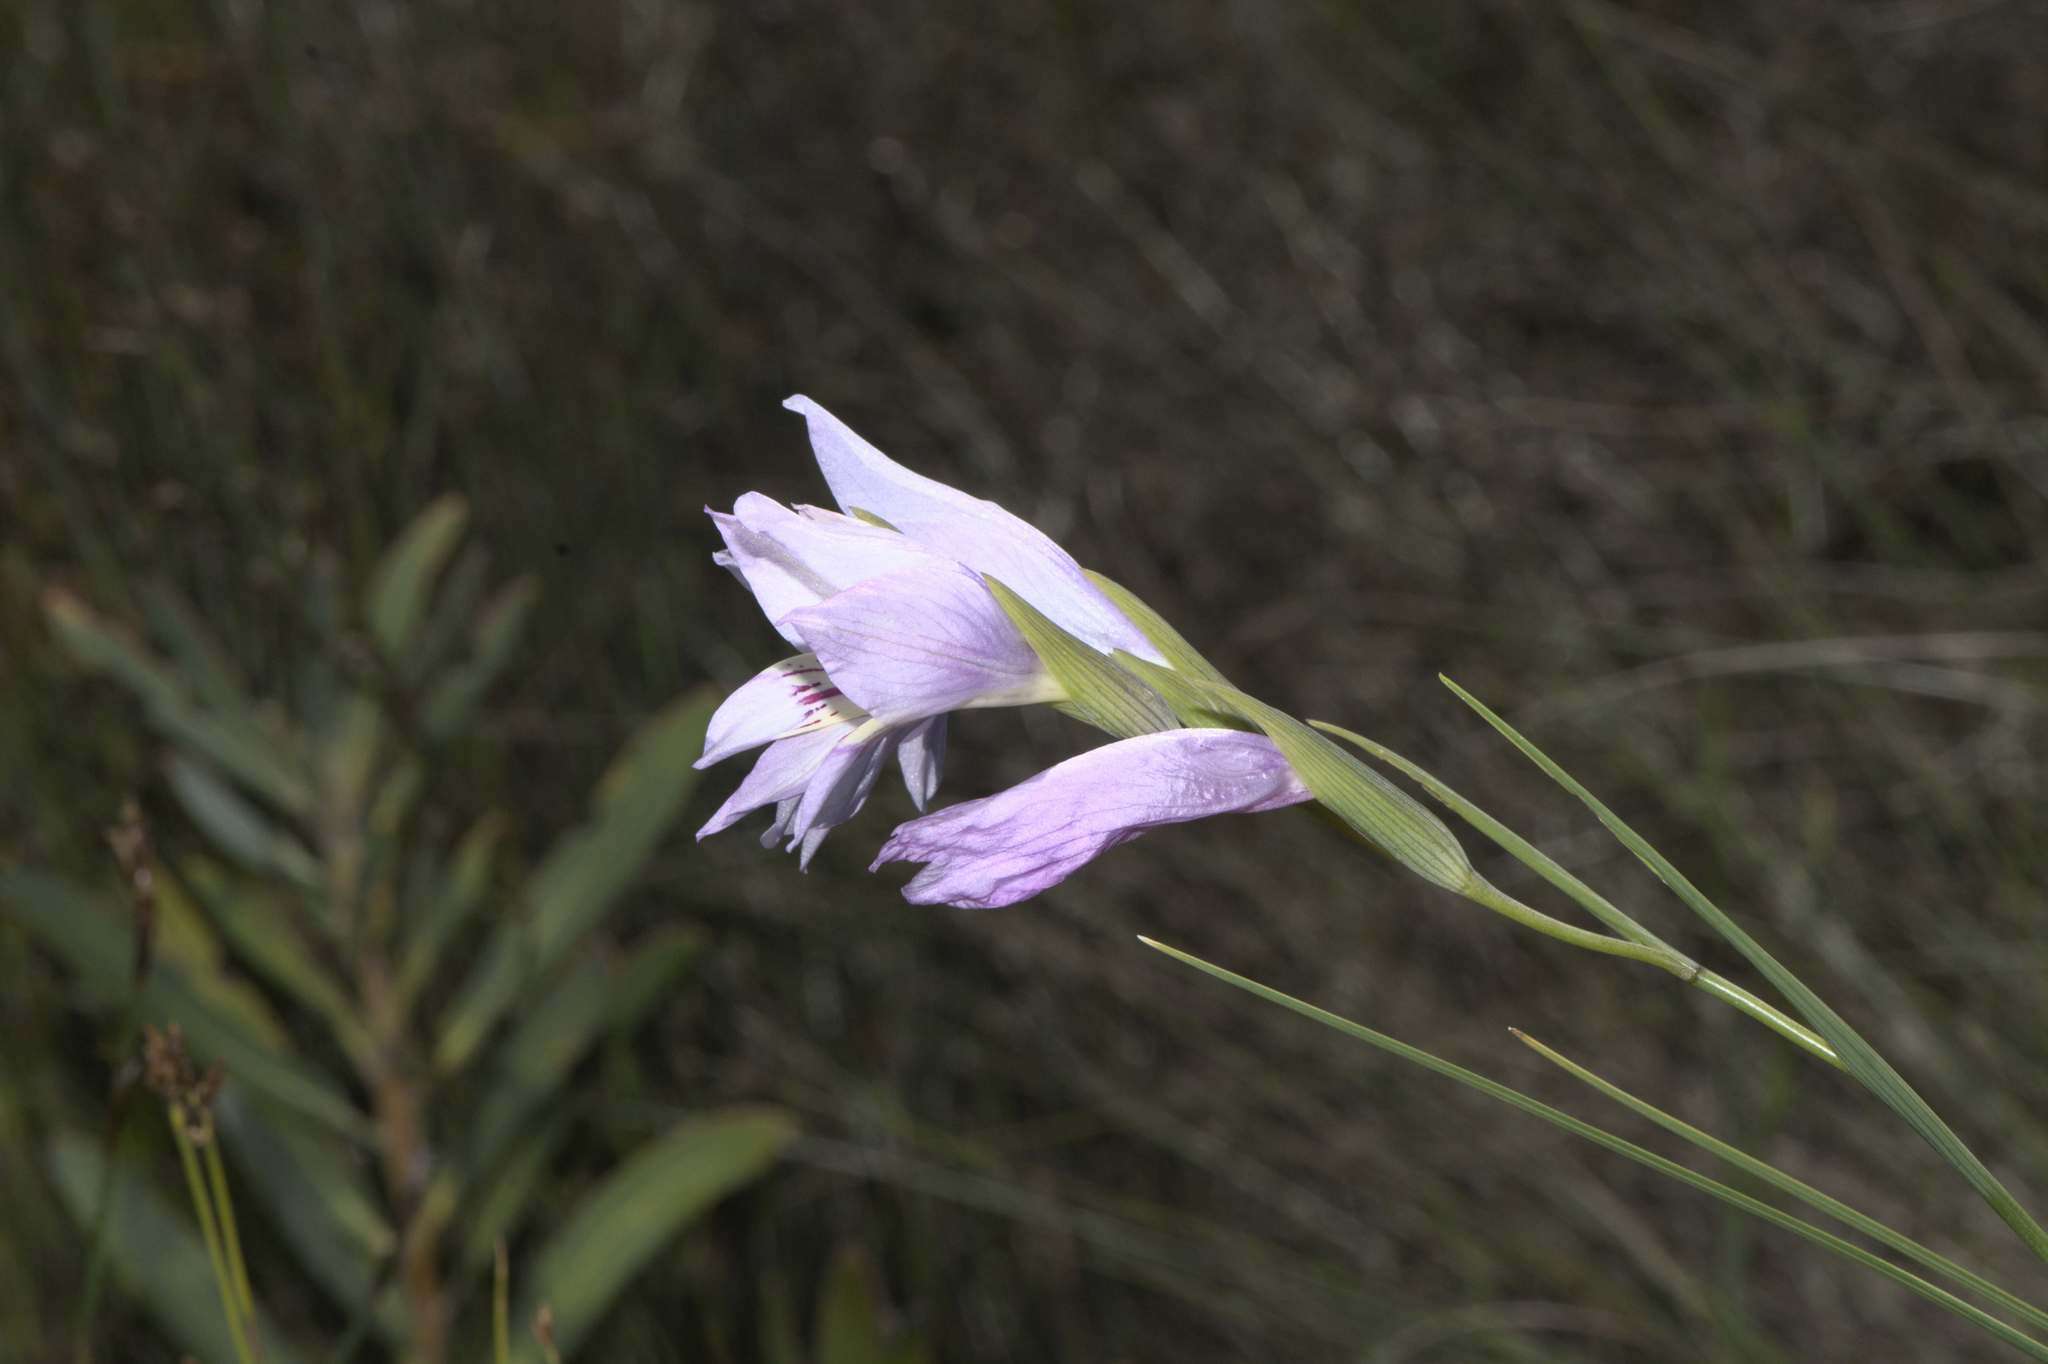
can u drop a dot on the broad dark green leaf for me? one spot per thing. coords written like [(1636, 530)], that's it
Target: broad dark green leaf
[(453, 903), (451, 618), (641, 1207), (199, 657), (454, 696), (264, 760), (507, 1194), (404, 579), (257, 923), (237, 827), (97, 946), (316, 1194), (584, 875)]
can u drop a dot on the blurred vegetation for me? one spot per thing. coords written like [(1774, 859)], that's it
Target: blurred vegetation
[(1673, 376)]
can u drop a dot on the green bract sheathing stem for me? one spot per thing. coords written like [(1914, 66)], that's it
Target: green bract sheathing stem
[(1099, 693), (1182, 655)]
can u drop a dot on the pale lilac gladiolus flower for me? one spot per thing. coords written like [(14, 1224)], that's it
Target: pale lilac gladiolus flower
[(982, 854), (897, 630)]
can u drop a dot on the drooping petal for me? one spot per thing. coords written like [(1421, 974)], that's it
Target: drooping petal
[(837, 789), (1012, 845), (779, 702), (781, 773), (921, 754), (778, 829), (978, 533), (919, 643)]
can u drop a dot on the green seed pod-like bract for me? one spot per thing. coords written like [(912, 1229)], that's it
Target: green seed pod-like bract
[(1099, 692), (1182, 655)]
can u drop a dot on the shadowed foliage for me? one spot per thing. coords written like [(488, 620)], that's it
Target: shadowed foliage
[(1670, 375)]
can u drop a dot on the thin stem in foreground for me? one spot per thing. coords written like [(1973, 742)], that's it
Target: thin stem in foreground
[(1977, 1316), (209, 1231), (1806, 1193)]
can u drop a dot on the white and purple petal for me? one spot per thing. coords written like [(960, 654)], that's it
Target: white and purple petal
[(1010, 846), (815, 781), (837, 789), (914, 644), (781, 701), (978, 533), (921, 754), (788, 560), (780, 774)]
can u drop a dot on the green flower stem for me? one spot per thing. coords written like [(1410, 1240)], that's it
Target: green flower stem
[(1480, 891), (501, 1306), (230, 1234), (1806, 1193), (1592, 901), (209, 1231)]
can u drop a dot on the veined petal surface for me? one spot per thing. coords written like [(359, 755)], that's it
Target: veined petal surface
[(783, 700), (982, 854), (910, 645), (976, 532)]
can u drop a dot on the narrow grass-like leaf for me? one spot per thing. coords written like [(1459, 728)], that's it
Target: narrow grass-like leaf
[(404, 578), (1799, 1189), (1848, 1250), (1376, 809), (154, 1253), (586, 872), (1182, 655), (642, 1205), (1859, 1058), (1099, 693)]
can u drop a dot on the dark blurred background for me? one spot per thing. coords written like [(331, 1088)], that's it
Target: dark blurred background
[(1670, 375)]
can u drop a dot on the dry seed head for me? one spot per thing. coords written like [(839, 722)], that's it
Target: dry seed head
[(169, 1072), (544, 1332)]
